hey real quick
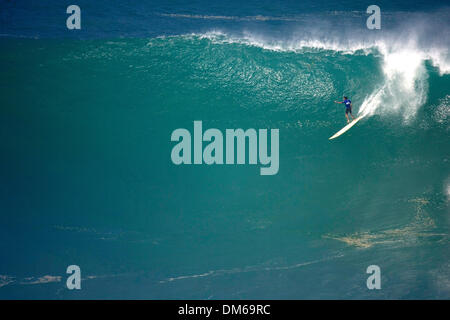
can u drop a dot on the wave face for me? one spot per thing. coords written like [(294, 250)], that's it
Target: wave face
[(85, 136), (397, 71)]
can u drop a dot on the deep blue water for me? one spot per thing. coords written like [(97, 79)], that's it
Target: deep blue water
[(87, 178)]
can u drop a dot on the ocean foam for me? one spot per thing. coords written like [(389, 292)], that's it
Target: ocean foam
[(404, 88)]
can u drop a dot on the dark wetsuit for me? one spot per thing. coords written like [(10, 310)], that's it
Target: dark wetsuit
[(348, 106)]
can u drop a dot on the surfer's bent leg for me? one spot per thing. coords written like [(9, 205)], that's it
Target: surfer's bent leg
[(349, 110)]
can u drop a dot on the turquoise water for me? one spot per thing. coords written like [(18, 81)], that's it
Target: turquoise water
[(88, 179)]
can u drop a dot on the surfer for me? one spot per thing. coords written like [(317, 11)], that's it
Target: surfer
[(348, 108)]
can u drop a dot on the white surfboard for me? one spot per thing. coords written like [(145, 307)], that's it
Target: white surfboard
[(347, 127)]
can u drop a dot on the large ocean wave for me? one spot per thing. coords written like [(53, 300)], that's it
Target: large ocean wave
[(86, 126), (402, 66)]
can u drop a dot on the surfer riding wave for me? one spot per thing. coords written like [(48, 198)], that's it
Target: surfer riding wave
[(348, 108)]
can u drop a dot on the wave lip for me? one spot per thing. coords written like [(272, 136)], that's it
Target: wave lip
[(232, 18), (402, 62)]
